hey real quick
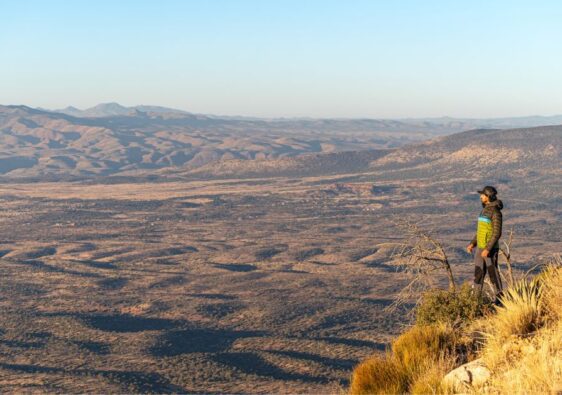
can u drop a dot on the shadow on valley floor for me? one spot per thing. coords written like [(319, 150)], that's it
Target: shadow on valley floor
[(351, 342), (96, 265), (94, 347), (380, 264), (113, 283), (219, 310), (33, 340), (130, 380), (122, 322), (212, 296), (177, 342), (40, 265), (252, 363), (235, 267), (333, 363)]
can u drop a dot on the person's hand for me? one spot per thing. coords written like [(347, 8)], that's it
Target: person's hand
[(485, 253), (469, 248)]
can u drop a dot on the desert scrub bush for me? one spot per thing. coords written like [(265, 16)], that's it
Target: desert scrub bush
[(524, 340), (417, 361), (551, 281), (529, 365), (430, 382), (452, 307), (423, 345), (520, 312), (379, 375), (519, 315)]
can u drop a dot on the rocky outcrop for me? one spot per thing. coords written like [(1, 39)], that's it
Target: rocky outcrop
[(468, 376)]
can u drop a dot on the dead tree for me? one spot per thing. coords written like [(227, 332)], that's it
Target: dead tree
[(505, 250), (420, 256)]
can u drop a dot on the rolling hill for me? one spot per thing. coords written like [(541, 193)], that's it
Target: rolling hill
[(113, 140)]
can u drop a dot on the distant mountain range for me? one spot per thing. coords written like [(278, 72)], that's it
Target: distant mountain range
[(113, 140), (113, 109), (475, 154), (448, 123)]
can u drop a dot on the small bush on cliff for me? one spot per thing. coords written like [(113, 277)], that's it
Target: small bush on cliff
[(421, 345), (379, 375), (418, 358), (523, 345), (451, 307)]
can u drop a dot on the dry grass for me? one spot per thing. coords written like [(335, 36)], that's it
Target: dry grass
[(521, 345), (422, 344), (379, 375), (551, 279), (520, 313), (419, 359), (522, 361), (524, 365), (430, 381)]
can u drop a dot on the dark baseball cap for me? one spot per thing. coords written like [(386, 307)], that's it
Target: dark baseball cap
[(488, 191)]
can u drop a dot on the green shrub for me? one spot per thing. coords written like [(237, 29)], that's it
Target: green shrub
[(450, 307)]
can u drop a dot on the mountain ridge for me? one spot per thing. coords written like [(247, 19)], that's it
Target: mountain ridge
[(37, 143)]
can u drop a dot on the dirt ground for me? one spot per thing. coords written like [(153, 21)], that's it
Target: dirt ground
[(240, 286)]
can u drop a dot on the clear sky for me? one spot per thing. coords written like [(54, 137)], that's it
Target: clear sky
[(378, 59)]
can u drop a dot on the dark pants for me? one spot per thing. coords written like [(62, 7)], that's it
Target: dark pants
[(487, 265)]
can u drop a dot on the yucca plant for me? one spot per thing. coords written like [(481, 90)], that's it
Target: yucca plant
[(520, 312), (521, 361), (551, 280)]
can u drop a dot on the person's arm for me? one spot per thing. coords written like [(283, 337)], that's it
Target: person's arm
[(496, 229), (471, 245)]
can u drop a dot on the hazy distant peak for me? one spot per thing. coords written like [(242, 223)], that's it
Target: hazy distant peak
[(148, 108), (20, 109), (70, 110), (115, 109), (106, 109)]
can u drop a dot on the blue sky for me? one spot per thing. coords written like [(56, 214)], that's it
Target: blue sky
[(378, 59)]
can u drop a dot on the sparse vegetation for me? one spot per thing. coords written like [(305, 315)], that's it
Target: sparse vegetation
[(181, 267), (521, 345), (458, 307), (418, 357), (379, 375)]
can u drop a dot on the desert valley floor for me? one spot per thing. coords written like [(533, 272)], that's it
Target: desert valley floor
[(257, 285)]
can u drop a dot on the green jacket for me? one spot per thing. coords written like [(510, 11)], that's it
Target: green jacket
[(489, 228)]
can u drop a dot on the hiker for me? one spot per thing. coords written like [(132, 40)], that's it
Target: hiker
[(486, 241)]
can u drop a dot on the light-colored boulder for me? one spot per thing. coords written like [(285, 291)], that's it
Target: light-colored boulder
[(471, 375)]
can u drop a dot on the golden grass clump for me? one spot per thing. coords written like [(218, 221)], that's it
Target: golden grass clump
[(528, 365), (551, 279), (430, 379), (422, 344), (520, 312), (379, 375), (418, 360), (523, 345)]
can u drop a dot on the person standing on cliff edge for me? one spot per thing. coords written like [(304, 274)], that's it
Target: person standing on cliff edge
[(486, 241)]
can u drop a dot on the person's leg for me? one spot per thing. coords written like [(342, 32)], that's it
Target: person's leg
[(479, 271), (492, 268)]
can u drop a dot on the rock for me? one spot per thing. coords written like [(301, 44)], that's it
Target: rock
[(471, 375)]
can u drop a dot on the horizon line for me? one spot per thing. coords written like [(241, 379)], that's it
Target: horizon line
[(403, 118)]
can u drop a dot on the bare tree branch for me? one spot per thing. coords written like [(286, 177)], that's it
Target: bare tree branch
[(505, 250), (420, 255)]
